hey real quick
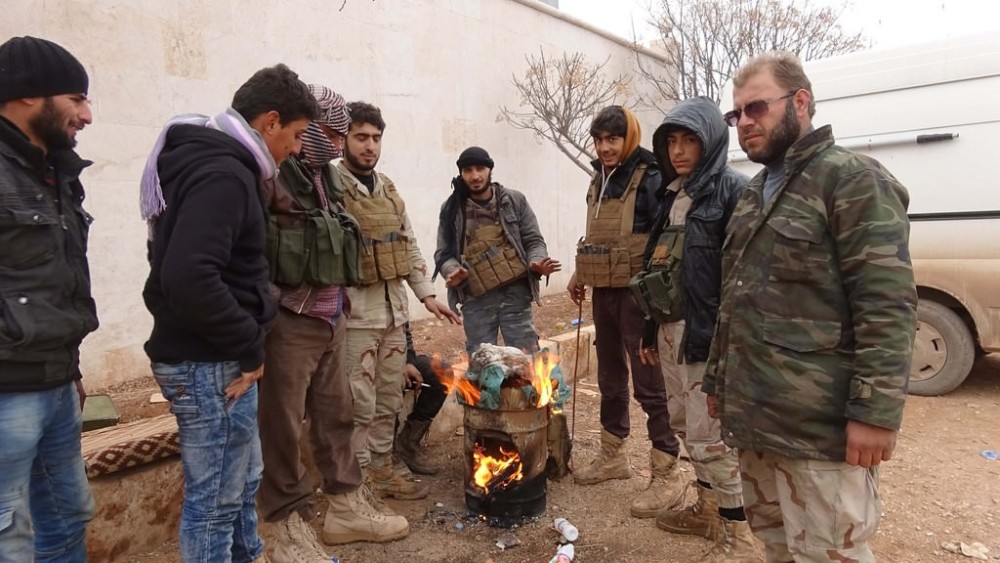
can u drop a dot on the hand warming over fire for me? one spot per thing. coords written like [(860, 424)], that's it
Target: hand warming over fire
[(455, 278), (546, 266), (441, 311)]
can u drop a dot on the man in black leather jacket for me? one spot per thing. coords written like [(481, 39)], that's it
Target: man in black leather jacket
[(46, 308)]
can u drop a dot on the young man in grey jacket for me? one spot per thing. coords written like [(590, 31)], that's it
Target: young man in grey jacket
[(491, 254)]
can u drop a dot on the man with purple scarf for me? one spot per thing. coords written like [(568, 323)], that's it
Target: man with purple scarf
[(208, 293), (307, 369)]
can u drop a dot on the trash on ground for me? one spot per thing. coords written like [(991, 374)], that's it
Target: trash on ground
[(507, 540), (974, 550)]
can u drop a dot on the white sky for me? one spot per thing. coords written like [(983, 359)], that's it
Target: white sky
[(887, 23)]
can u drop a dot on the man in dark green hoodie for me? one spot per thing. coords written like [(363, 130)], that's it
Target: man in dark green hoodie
[(681, 305)]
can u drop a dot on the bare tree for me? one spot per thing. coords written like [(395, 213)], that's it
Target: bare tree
[(562, 95), (706, 41)]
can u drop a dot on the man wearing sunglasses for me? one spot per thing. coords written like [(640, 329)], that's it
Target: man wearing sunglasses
[(809, 365)]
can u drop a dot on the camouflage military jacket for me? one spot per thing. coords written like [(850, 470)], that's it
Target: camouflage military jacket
[(818, 309)]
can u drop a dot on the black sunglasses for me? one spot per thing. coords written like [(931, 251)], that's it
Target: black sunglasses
[(754, 110)]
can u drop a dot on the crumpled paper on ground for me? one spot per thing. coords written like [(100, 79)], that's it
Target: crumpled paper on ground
[(974, 550)]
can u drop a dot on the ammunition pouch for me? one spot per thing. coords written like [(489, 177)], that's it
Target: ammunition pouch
[(387, 258), (491, 261), (659, 292), (321, 251)]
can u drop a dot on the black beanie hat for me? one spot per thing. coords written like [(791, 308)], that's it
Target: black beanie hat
[(35, 68), (473, 156)]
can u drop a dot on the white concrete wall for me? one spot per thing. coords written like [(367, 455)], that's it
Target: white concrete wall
[(439, 69)]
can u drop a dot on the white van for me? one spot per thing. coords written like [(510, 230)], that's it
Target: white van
[(928, 113)]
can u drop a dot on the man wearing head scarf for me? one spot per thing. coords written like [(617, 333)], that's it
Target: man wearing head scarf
[(306, 371), (46, 308), (621, 205)]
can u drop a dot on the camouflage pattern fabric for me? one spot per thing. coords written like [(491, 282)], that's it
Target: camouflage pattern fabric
[(818, 308), (505, 310), (375, 362), (713, 461), (811, 511)]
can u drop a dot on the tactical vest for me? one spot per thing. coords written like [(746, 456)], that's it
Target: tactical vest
[(611, 253), (386, 252), (309, 244), (658, 290), (492, 260)]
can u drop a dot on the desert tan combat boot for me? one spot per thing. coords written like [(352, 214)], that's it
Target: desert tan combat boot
[(735, 544), (350, 518), (664, 491), (387, 482), (611, 462), (698, 519), (295, 542)]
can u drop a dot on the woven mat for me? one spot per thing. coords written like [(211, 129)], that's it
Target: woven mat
[(113, 449)]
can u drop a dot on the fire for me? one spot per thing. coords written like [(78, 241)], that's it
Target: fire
[(541, 379), (492, 474), (453, 381)]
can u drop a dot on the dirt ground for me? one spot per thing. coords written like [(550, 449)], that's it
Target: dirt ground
[(938, 487)]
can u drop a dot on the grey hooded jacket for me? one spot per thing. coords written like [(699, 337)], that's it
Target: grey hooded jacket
[(714, 188)]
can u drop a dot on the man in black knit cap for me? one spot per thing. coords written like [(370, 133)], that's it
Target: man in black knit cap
[(46, 308), (491, 254)]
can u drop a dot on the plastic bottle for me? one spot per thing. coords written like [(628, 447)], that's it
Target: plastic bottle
[(565, 554), (568, 531)]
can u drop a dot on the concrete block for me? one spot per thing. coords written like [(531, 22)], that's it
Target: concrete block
[(137, 510)]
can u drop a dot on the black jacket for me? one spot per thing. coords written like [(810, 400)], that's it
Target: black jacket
[(208, 283), (714, 188), (647, 199), (46, 307)]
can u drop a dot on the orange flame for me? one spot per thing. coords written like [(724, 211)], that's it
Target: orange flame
[(541, 368), (455, 382), (491, 474)]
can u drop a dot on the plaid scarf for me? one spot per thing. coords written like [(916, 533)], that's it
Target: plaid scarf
[(317, 149), (231, 123)]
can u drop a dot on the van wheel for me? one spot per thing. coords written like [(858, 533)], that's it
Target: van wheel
[(943, 352)]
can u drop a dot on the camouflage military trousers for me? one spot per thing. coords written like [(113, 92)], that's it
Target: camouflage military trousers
[(375, 362), (714, 462), (811, 511), (505, 310)]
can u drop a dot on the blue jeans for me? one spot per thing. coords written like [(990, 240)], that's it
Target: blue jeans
[(220, 454), (45, 500)]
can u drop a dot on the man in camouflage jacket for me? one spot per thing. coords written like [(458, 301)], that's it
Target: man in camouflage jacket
[(809, 366)]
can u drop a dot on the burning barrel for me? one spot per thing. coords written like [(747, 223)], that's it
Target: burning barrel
[(508, 399), (505, 455)]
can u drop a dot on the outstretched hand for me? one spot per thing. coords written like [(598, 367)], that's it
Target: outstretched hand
[(441, 311), (546, 266)]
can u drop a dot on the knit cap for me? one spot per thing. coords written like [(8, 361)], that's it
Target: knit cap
[(35, 68), (473, 156)]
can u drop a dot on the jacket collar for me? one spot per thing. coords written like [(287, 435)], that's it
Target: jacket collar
[(803, 150), (14, 144)]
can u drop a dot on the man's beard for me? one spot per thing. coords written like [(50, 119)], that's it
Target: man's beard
[(483, 188), (357, 164), (50, 127), (781, 138)]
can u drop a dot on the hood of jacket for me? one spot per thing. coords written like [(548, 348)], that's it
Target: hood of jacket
[(702, 117), (189, 144)]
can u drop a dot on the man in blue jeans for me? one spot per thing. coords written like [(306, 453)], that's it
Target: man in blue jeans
[(46, 308), (209, 296)]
